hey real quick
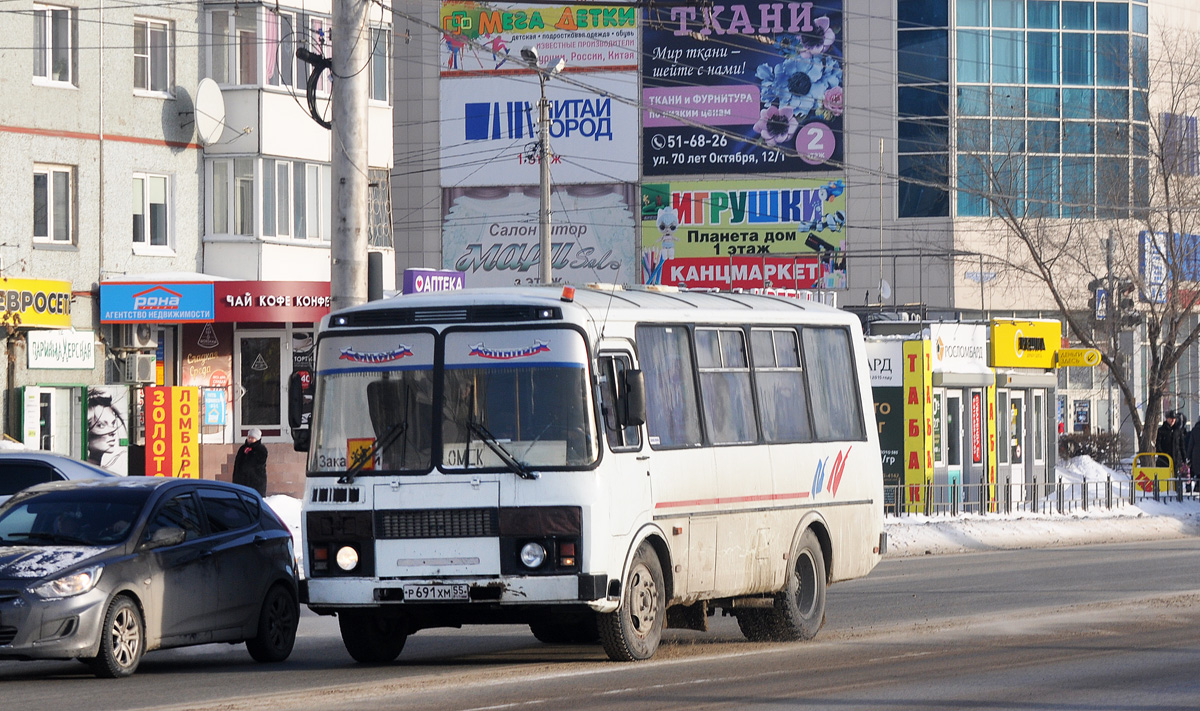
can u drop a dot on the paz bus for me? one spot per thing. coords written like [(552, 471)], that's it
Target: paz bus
[(599, 463)]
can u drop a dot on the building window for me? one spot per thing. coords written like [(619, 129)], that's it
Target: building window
[(316, 39), (1058, 85), (151, 211), (232, 193), (280, 40), (380, 56), (152, 56), (295, 198), (54, 44), (923, 97), (54, 204), (1181, 150), (233, 46)]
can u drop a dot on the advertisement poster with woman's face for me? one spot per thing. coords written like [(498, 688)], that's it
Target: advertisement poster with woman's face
[(108, 427)]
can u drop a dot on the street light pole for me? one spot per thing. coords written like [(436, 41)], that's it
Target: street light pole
[(530, 55)]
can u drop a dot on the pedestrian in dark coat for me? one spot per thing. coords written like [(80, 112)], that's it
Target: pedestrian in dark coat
[(1171, 439), (250, 464)]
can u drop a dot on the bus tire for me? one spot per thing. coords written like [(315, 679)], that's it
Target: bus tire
[(370, 636), (799, 611), (632, 633)]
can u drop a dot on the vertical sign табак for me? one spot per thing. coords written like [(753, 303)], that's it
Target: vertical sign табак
[(172, 432)]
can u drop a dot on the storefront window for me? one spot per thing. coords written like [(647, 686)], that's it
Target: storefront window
[(260, 380), (954, 431)]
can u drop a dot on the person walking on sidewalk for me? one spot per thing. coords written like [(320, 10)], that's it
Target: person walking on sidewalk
[(1171, 440), (250, 464)]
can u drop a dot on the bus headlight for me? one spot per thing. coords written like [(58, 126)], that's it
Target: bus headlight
[(347, 558), (533, 555)]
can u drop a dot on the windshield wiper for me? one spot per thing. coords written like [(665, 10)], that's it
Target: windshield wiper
[(367, 455), (499, 450)]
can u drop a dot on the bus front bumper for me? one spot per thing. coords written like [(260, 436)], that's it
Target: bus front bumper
[(511, 590)]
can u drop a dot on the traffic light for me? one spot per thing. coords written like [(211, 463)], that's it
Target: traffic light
[(1125, 304)]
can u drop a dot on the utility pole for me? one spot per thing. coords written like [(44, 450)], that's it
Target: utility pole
[(530, 56), (544, 181), (351, 52)]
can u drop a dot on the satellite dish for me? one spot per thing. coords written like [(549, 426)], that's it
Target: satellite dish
[(885, 290), (210, 112)]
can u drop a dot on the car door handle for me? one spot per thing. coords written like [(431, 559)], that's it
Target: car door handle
[(205, 554)]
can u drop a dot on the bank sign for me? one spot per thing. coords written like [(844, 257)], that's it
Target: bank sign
[(742, 87), (489, 129)]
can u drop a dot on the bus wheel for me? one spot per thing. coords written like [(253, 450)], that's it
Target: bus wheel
[(799, 610), (633, 632), (370, 636)]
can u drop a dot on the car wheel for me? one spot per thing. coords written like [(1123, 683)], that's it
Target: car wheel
[(277, 624), (633, 632), (371, 637), (122, 640)]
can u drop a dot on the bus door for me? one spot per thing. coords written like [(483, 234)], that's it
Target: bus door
[(626, 468)]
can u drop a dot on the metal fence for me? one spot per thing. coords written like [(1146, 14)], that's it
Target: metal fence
[(1059, 497)]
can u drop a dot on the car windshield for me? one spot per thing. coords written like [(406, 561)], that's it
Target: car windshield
[(79, 517)]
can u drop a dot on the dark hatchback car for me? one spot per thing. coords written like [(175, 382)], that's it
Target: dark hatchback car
[(20, 469), (106, 570)]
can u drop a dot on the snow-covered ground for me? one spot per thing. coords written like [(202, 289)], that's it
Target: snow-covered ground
[(929, 535), (1147, 520)]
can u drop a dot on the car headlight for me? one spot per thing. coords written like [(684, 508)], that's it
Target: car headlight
[(76, 583), (533, 555)]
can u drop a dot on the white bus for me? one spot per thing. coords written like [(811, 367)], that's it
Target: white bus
[(598, 463)]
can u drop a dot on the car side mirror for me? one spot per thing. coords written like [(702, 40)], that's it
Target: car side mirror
[(166, 536), (632, 411)]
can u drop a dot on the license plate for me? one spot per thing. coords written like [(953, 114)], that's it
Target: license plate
[(436, 593)]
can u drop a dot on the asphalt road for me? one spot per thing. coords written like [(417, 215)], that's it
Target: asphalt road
[(1093, 627)]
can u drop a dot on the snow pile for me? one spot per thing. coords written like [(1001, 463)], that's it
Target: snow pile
[(915, 534)]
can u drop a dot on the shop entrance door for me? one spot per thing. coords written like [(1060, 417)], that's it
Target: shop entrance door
[(51, 419), (257, 364), (1018, 445)]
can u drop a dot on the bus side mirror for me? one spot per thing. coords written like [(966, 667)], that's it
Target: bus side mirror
[(300, 408), (633, 404)]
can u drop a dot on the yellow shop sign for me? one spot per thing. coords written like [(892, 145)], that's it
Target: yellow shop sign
[(1078, 357), (44, 303), (1025, 343)]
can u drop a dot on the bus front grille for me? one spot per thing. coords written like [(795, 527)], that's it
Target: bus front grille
[(437, 523)]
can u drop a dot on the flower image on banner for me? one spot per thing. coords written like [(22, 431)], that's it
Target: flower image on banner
[(767, 78)]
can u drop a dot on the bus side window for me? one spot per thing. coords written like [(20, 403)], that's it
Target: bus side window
[(612, 368)]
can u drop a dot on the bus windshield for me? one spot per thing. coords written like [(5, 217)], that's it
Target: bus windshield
[(525, 390), (375, 402), (515, 400)]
